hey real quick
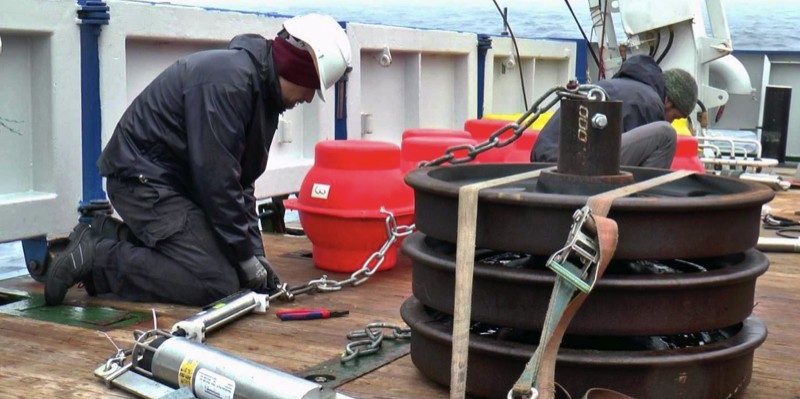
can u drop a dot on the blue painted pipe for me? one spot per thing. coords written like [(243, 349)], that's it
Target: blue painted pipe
[(340, 104), (484, 44), (92, 15)]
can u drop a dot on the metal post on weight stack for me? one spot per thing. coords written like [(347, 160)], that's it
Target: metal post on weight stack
[(589, 149), (590, 137)]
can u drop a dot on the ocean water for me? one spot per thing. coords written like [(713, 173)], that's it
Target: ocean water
[(754, 25)]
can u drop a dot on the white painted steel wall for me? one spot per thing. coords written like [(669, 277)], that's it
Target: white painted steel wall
[(544, 64), (787, 73), (40, 133), (744, 111), (143, 39), (430, 81)]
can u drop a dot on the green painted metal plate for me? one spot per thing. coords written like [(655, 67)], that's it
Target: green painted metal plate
[(30, 305), (333, 373)]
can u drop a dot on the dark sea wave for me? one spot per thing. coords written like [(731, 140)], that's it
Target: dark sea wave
[(754, 25)]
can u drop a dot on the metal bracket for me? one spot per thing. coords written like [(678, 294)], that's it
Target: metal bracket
[(93, 13), (124, 378)]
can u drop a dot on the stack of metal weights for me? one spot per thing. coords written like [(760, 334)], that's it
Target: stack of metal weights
[(670, 318)]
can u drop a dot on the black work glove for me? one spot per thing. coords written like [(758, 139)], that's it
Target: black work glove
[(252, 275), (273, 281)]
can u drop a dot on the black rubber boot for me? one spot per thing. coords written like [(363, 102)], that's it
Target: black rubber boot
[(72, 265)]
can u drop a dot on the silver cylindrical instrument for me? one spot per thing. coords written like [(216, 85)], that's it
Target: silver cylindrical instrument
[(220, 313), (778, 244), (212, 373)]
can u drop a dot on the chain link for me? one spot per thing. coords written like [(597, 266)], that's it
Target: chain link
[(368, 268), (572, 90), (370, 339)]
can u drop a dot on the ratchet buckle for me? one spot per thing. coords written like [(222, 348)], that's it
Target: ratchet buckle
[(577, 261)]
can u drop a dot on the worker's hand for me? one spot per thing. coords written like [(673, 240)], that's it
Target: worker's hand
[(272, 280), (253, 275)]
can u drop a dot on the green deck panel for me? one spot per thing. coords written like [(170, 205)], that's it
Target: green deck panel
[(31, 305)]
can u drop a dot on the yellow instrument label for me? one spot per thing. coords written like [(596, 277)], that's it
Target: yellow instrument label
[(186, 372)]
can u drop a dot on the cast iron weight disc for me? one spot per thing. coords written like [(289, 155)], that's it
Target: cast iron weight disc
[(694, 217), (619, 305)]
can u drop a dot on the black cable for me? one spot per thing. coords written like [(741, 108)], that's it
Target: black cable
[(516, 50), (654, 49), (789, 232), (602, 73), (589, 45), (666, 49)]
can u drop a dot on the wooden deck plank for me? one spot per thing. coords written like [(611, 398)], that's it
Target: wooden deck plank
[(40, 359)]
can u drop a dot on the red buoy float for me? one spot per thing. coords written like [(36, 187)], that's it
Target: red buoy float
[(520, 149), (686, 155), (340, 202), (435, 132)]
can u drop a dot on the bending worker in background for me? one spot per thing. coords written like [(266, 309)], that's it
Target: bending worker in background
[(651, 100), (181, 167)]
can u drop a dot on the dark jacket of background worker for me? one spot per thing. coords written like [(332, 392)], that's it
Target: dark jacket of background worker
[(651, 99)]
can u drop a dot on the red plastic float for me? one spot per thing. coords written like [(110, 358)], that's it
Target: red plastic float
[(340, 200), (686, 155), (521, 148), (481, 129), (432, 132)]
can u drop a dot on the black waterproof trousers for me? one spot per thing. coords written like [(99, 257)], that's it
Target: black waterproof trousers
[(181, 260)]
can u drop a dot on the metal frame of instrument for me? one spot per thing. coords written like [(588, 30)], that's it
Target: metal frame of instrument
[(177, 365), (163, 366)]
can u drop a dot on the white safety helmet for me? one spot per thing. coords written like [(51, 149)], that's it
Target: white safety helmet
[(327, 43)]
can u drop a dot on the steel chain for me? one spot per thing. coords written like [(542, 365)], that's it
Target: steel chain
[(573, 91), (369, 340), (394, 232), (368, 268)]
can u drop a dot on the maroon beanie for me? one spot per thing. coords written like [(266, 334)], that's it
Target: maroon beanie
[(294, 64)]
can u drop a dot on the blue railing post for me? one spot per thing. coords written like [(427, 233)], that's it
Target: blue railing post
[(581, 61), (340, 104), (484, 44), (92, 15)]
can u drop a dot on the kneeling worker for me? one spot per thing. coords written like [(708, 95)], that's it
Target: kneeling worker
[(181, 167)]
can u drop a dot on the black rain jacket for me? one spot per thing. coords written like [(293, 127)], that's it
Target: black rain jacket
[(639, 84), (203, 128)]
